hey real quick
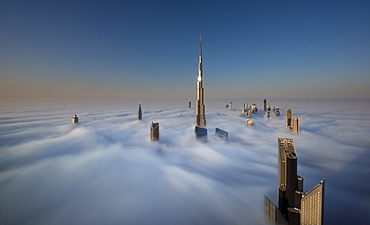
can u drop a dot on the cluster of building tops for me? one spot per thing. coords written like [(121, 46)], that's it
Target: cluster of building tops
[(296, 207)]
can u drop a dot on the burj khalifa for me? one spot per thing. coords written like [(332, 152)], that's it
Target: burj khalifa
[(200, 119)]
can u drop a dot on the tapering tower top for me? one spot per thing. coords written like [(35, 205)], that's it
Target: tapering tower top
[(200, 119), (200, 41), (200, 67)]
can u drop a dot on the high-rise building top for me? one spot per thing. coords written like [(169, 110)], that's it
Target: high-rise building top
[(245, 105), (139, 113), (286, 146), (313, 205), (222, 133), (288, 118), (201, 133), (277, 111), (295, 125), (154, 131), (75, 119), (297, 207), (200, 119)]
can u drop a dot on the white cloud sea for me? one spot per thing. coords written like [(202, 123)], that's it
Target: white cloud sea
[(105, 170)]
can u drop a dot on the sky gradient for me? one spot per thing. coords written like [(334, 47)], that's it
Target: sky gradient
[(148, 49)]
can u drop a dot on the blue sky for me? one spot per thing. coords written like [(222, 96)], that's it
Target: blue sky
[(148, 49)]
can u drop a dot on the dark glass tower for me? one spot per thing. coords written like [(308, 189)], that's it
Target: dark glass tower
[(200, 119)]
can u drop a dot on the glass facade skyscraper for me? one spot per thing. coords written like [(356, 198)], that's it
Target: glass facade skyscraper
[(295, 206)]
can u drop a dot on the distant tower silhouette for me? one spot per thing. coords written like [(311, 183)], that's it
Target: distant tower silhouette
[(254, 108), (139, 114), (154, 132), (200, 119), (249, 113), (288, 118), (230, 105), (264, 105), (75, 119), (277, 111), (245, 105)]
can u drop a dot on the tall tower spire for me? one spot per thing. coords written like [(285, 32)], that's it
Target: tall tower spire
[(200, 119)]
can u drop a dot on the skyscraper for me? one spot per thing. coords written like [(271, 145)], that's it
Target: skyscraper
[(139, 114), (312, 208), (200, 119), (295, 125), (75, 119), (288, 118), (295, 206), (277, 111), (154, 132), (273, 215), (201, 133), (246, 105), (230, 105), (222, 133), (286, 147)]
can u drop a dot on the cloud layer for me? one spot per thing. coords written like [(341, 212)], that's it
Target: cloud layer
[(105, 170)]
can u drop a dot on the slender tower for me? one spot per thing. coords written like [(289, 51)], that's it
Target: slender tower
[(200, 119), (139, 114)]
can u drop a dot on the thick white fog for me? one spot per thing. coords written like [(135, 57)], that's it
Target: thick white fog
[(105, 170)]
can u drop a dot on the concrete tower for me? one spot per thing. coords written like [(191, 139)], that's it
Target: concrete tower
[(200, 119)]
